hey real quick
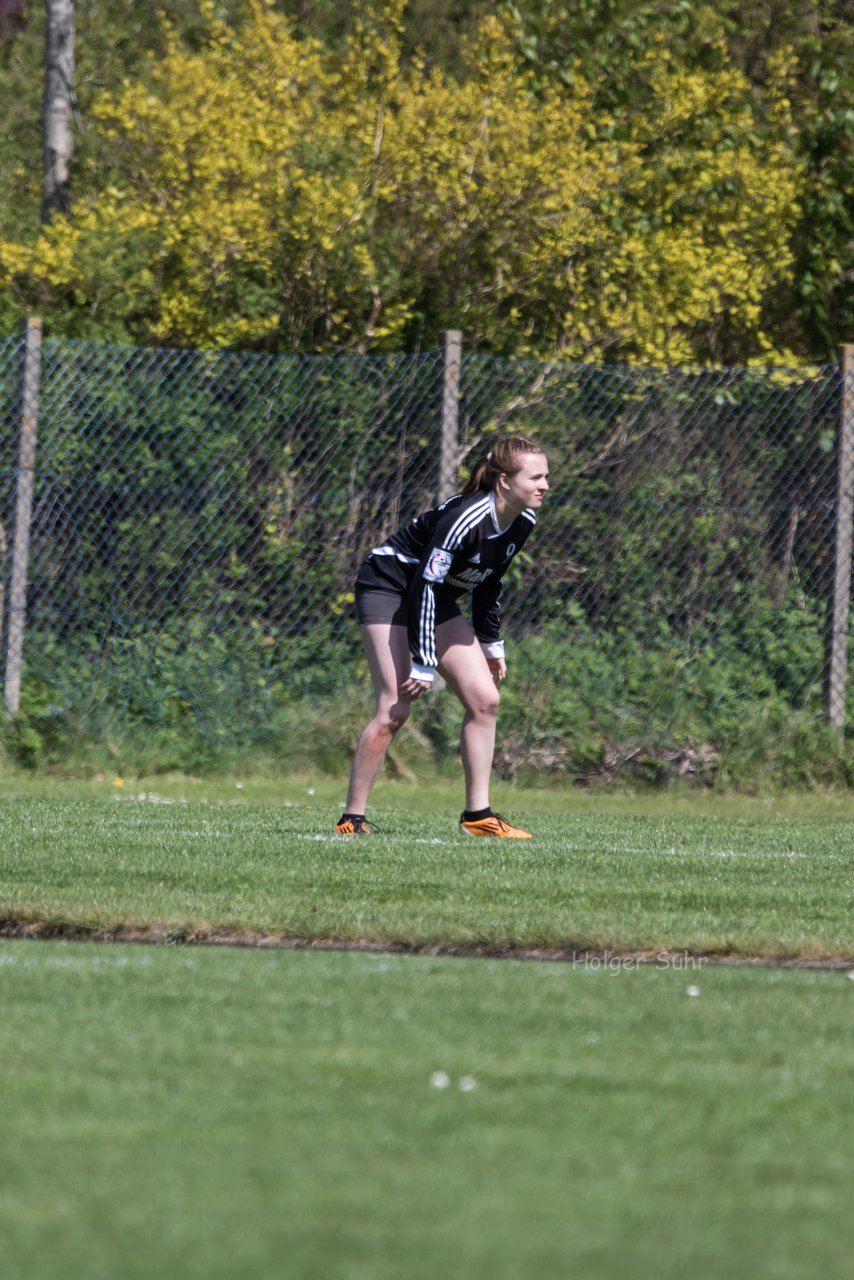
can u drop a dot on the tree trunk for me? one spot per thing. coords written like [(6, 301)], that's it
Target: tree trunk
[(58, 106)]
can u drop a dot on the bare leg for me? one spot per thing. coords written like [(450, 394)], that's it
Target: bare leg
[(387, 650), (462, 664)]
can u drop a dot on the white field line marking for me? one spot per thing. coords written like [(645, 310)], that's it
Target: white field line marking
[(61, 831), (333, 839), (589, 848), (671, 852), (694, 853)]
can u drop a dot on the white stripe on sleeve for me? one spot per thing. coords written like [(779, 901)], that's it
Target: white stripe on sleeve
[(427, 627)]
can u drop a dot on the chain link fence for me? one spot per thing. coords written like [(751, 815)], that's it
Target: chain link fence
[(198, 518)]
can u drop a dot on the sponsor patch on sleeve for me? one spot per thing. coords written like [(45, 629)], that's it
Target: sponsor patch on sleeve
[(438, 564)]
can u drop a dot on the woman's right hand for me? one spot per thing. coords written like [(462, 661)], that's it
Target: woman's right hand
[(412, 689)]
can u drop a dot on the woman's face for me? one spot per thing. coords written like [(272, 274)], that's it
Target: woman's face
[(529, 485)]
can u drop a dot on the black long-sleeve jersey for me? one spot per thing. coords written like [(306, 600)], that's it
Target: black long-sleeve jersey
[(456, 548)]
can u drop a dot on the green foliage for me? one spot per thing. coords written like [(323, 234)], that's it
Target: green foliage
[(624, 52), (23, 743), (741, 706), (804, 50), (262, 191), (204, 515)]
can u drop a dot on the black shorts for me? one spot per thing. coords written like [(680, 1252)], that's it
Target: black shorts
[(376, 604)]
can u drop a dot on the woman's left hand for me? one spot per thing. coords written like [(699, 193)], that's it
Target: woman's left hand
[(498, 667), (412, 689)]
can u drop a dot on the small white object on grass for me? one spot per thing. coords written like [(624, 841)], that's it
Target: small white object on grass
[(467, 1084), (851, 974), (440, 1079), (692, 991)]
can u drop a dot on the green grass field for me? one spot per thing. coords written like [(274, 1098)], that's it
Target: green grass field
[(636, 877), (224, 1112), (201, 1112)]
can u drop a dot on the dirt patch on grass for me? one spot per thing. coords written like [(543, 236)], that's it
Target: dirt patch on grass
[(661, 958)]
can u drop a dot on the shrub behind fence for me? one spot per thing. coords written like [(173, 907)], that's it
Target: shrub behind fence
[(198, 519)]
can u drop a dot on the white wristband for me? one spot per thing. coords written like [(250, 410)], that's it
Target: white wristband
[(492, 648), (420, 672)]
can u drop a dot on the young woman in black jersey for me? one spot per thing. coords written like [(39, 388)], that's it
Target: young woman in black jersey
[(408, 593)]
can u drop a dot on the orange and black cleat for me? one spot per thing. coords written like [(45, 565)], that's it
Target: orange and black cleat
[(493, 825), (352, 825)]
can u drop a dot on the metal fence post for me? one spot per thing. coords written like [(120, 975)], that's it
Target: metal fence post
[(30, 377), (449, 448), (4, 565), (836, 665)]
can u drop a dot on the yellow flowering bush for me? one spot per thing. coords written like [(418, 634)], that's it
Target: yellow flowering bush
[(265, 193)]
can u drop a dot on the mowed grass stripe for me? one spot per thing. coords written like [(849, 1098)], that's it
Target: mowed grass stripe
[(771, 886), (222, 1114)]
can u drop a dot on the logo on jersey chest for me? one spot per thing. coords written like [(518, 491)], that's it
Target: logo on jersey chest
[(438, 565)]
